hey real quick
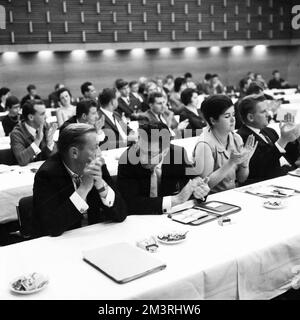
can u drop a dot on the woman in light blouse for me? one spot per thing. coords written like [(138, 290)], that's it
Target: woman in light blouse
[(66, 110), (219, 153)]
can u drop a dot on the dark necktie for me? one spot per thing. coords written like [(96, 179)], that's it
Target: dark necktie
[(269, 141)]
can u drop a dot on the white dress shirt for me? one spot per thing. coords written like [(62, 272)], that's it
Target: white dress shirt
[(155, 181), (79, 203), (112, 118), (137, 96)]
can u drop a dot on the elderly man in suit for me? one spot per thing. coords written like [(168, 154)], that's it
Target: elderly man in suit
[(274, 155), (32, 139), (154, 175), (73, 187), (116, 130)]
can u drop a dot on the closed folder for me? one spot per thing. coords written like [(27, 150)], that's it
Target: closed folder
[(123, 262)]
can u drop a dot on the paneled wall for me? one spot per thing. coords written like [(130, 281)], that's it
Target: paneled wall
[(230, 63), (110, 21)]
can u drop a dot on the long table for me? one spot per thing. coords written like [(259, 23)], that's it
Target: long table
[(17, 182), (252, 258)]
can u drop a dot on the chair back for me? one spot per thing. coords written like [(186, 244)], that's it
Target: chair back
[(25, 216)]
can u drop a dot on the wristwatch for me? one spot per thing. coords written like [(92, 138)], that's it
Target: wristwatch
[(102, 189)]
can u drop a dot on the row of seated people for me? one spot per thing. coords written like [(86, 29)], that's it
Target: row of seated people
[(132, 101), (210, 84), (73, 186)]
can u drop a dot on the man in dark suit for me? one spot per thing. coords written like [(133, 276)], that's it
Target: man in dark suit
[(32, 139), (274, 155), (154, 175), (73, 187), (124, 104), (116, 130), (158, 112), (86, 112), (32, 94), (134, 96), (277, 82)]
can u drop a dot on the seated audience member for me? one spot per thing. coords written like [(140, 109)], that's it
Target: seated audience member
[(116, 130), (153, 175), (124, 103), (88, 91), (277, 82), (259, 78), (255, 87), (189, 80), (13, 117), (216, 86), (128, 107), (219, 154), (32, 94), (53, 99), (66, 109), (203, 87), (174, 99), (168, 84), (135, 97), (244, 85), (274, 155), (73, 187), (189, 97), (87, 112), (32, 139), (4, 94), (159, 113)]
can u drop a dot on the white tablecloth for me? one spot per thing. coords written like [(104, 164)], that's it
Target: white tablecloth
[(252, 258)]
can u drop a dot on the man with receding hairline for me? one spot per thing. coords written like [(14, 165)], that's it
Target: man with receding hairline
[(73, 187)]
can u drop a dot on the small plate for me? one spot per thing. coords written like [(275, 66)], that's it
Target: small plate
[(43, 282), (171, 237), (274, 204)]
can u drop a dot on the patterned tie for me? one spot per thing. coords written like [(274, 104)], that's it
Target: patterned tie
[(77, 180)]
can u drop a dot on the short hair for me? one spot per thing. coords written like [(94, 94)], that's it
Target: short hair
[(73, 135), (178, 82), (85, 87), (28, 107), (60, 91), (84, 106), (11, 101), (4, 91), (30, 87), (121, 83), (106, 96), (56, 87), (248, 105), (132, 83), (214, 106), (155, 132), (186, 95), (153, 96), (207, 76), (214, 75), (275, 71), (255, 87), (188, 75)]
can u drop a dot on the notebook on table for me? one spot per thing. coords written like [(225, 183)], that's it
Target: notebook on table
[(123, 262), (204, 212)]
